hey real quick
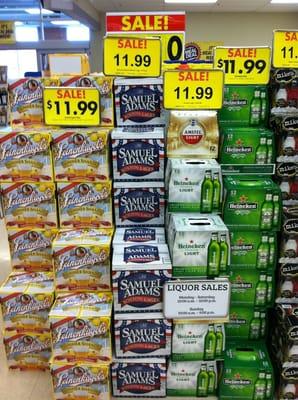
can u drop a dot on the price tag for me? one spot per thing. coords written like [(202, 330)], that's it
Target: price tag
[(193, 89), (285, 49), (202, 299), (71, 106), (132, 56), (243, 65)]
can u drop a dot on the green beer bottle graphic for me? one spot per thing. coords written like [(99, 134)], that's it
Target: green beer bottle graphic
[(263, 325), (219, 341), (269, 151), (263, 107), (255, 326), (213, 257), (263, 253), (260, 387), (269, 289), (276, 209), (207, 193), (268, 386), (267, 213), (255, 109), (261, 291), (216, 192), (271, 251), (261, 152), (211, 380), (224, 253), (210, 344), (202, 382)]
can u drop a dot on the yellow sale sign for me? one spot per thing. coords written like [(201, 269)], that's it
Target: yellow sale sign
[(199, 89), (285, 49), (7, 32)]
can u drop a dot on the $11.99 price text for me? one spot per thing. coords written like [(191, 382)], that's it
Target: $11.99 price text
[(68, 108)]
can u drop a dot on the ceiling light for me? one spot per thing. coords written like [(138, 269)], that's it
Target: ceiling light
[(284, 1), (191, 1), (36, 11), (18, 23), (65, 22)]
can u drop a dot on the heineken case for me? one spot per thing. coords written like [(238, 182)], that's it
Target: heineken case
[(192, 378), (247, 151), (199, 246), (194, 186), (244, 105), (253, 250), (194, 341), (139, 235), (284, 91), (247, 373), (246, 323), (251, 203)]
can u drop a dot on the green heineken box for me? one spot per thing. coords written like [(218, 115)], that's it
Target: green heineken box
[(251, 287), (247, 151), (244, 106), (253, 249), (247, 373), (251, 203), (246, 322)]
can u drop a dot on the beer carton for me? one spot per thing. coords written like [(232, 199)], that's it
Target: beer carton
[(244, 105), (26, 104), (80, 326), (139, 203), (85, 205), (82, 260), (246, 322), (105, 86), (27, 350), (144, 235), (25, 156), (194, 186), (195, 341), (251, 203), (247, 151), (29, 205), (31, 249), (138, 155), (139, 101), (142, 335), (80, 380), (144, 377), (284, 93), (289, 249), (253, 250), (247, 373), (26, 299), (81, 154), (200, 246), (192, 379), (192, 134)]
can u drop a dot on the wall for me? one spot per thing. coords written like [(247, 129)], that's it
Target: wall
[(238, 29)]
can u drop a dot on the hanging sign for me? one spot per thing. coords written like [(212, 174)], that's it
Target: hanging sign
[(285, 49), (7, 32)]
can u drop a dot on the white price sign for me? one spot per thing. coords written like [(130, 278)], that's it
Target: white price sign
[(199, 299)]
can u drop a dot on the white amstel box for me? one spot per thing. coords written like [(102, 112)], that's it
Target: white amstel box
[(139, 377), (139, 203), (137, 235), (142, 335), (138, 155)]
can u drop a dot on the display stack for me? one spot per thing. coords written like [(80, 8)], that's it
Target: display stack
[(251, 211), (284, 120)]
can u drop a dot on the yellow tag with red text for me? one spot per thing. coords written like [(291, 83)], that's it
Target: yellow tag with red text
[(285, 49)]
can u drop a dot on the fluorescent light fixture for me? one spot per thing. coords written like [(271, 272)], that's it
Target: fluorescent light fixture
[(36, 11), (284, 1), (78, 33), (19, 23), (26, 34), (65, 22), (190, 1)]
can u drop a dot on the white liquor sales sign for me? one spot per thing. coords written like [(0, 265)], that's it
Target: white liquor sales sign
[(197, 299)]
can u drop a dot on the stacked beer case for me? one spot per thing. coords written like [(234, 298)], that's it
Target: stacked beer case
[(251, 211), (284, 121), (4, 103), (141, 263)]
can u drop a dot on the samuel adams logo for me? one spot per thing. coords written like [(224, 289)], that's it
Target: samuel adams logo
[(140, 104), (142, 337), (139, 205), (284, 75), (290, 123), (139, 235), (141, 254), (137, 158), (138, 379), (192, 52)]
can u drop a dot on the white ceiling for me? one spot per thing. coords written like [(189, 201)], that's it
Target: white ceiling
[(220, 6)]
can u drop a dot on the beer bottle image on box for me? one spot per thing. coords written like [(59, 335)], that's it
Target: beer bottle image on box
[(216, 192), (213, 259), (219, 341), (263, 107), (268, 386), (263, 253), (276, 210), (207, 193), (202, 382), (260, 387), (262, 152), (267, 213), (269, 289), (261, 291), (224, 253), (263, 324), (210, 344), (255, 326), (211, 380), (271, 251), (255, 109), (269, 150)]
